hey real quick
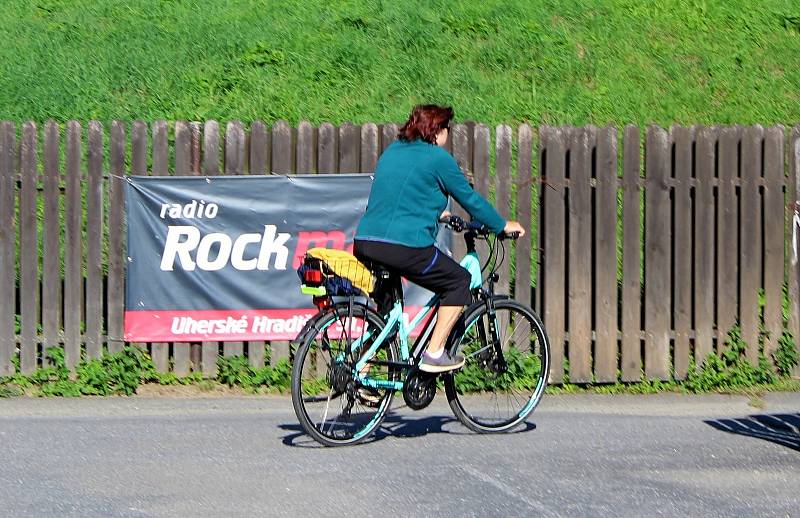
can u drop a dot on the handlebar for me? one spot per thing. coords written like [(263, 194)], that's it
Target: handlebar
[(458, 224)]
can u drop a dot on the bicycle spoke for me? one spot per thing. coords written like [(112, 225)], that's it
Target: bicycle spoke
[(327, 405)]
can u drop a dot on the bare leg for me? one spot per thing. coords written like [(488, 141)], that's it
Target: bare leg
[(445, 320)]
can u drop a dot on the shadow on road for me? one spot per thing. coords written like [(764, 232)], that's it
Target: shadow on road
[(783, 429), (396, 425)]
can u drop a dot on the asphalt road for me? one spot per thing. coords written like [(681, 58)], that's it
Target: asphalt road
[(582, 455)]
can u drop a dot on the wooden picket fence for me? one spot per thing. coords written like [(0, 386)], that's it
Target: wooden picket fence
[(642, 253)]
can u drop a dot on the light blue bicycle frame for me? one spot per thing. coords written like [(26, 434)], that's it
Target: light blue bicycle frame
[(395, 318)]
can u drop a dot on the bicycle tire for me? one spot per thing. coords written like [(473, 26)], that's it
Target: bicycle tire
[(306, 366), (478, 376)]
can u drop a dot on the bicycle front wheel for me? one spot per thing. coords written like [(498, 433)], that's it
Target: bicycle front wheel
[(494, 392), (332, 407)]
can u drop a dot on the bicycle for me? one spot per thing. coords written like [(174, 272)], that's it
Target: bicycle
[(350, 359)]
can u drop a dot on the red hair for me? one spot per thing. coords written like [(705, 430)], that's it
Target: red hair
[(425, 122)]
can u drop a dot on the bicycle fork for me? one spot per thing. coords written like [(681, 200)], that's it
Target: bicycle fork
[(491, 337)]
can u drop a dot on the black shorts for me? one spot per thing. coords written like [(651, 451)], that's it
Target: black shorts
[(428, 267)]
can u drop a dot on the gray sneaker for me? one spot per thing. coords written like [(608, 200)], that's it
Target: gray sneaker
[(444, 363)]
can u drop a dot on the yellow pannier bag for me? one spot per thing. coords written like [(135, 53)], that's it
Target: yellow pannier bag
[(345, 264)]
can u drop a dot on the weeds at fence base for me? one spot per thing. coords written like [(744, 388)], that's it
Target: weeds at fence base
[(123, 373), (729, 372), (10, 391)]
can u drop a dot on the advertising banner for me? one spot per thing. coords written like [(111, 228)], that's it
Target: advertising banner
[(214, 258)]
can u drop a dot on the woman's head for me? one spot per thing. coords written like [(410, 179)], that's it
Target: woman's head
[(427, 122)]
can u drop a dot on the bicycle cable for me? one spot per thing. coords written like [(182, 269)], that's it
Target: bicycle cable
[(502, 254), (489, 257)]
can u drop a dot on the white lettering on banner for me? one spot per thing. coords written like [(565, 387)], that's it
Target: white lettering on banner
[(223, 253), (174, 247), (191, 210), (190, 326), (273, 243), (182, 240), (237, 258), (266, 325), (293, 325)]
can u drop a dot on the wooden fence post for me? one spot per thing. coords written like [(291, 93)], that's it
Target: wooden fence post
[(29, 250), (181, 351), (306, 148), (196, 147), (750, 238), (234, 165), (116, 234), (682, 282), (210, 350), (159, 351), (183, 148), (94, 242), (370, 147), (522, 246), (525, 193), (658, 296), (579, 255), (283, 161), (51, 252), (503, 144), (283, 158), (631, 257), (552, 144), (8, 187), (606, 350), (727, 243), (138, 167), (349, 148), (260, 151), (328, 152), (388, 135), (481, 158), (705, 245), (73, 268), (774, 240), (260, 148)]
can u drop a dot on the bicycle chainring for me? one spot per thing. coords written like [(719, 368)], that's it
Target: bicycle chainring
[(419, 389)]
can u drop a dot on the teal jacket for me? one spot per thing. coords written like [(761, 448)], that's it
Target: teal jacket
[(410, 190)]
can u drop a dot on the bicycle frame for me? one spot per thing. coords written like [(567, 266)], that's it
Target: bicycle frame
[(472, 264)]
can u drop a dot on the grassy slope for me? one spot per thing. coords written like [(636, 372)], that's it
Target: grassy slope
[(549, 61)]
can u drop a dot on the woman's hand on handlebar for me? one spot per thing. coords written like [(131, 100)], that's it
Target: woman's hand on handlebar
[(454, 222), (513, 230)]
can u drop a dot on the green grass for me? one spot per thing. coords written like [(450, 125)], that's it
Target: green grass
[(547, 62)]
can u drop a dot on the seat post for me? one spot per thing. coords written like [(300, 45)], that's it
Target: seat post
[(388, 287)]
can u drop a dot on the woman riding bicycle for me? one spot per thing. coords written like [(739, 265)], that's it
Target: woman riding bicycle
[(413, 179)]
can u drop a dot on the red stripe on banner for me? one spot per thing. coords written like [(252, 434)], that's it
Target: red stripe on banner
[(222, 324)]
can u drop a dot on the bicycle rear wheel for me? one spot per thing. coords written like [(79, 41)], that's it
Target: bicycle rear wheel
[(331, 406), (495, 393)]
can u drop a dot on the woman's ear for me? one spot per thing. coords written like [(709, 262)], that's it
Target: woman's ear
[(441, 137)]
